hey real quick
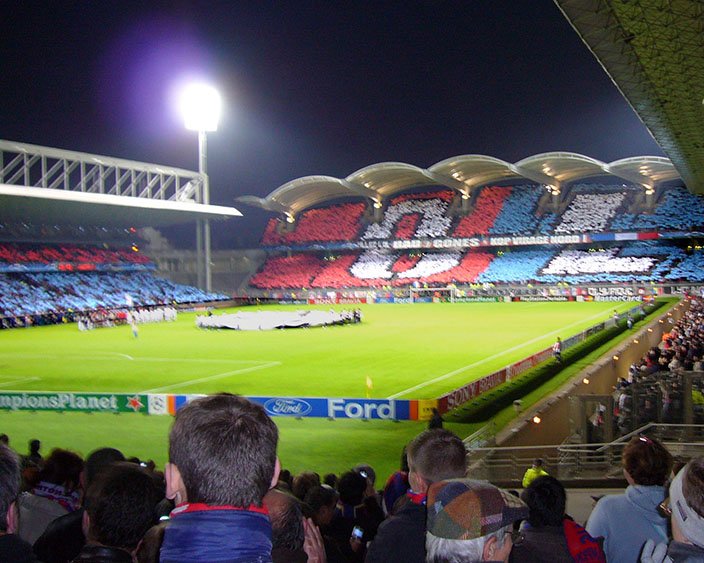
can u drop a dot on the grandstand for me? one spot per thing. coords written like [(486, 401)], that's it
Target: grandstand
[(77, 247), (596, 233)]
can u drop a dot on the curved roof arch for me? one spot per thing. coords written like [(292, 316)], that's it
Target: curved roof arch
[(475, 170), (389, 178), (463, 173)]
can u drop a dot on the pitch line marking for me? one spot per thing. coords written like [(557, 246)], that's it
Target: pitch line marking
[(480, 362), (13, 381), (210, 378), (101, 356)]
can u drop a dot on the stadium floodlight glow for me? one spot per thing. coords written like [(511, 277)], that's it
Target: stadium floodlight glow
[(200, 106)]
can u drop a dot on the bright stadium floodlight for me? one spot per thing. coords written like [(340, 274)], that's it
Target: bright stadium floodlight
[(200, 106)]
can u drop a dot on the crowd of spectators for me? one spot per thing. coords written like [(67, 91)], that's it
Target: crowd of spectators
[(340, 222), (653, 389), (590, 213), (637, 262), (56, 292), (18, 254), (482, 218), (495, 210), (433, 220), (224, 497)]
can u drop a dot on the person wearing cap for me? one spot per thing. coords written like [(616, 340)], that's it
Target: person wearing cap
[(470, 521), (433, 455), (685, 507)]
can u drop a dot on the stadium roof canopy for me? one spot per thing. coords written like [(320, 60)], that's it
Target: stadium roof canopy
[(463, 174), (653, 50), (45, 185)]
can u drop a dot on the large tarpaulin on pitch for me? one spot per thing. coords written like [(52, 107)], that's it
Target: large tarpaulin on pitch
[(269, 320)]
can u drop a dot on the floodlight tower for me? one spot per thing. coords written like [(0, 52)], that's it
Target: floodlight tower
[(201, 107)]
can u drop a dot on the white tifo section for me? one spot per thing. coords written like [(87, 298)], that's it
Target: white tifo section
[(432, 264), (577, 262), (434, 223), (268, 320), (589, 212), (374, 264)]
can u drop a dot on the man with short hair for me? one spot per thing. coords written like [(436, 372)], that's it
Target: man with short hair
[(120, 509), (288, 533), (222, 461), (470, 521), (433, 455), (12, 547)]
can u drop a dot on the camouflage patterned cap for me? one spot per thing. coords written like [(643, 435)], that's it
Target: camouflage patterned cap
[(464, 509)]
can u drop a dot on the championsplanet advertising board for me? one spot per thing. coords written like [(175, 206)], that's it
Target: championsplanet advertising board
[(297, 407)]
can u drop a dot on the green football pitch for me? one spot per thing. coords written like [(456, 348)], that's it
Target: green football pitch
[(410, 351)]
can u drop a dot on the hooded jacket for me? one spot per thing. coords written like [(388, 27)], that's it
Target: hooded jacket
[(627, 521)]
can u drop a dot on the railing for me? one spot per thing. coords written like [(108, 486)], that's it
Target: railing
[(32, 166), (575, 462)]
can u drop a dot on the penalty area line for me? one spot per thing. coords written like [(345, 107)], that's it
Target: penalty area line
[(210, 378), (483, 361)]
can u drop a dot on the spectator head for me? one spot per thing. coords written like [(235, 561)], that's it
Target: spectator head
[(470, 521), (286, 517), (537, 462), (366, 471), (322, 501), (687, 504), (303, 482), (10, 481), (546, 498), (285, 480), (222, 451), (4, 439), (120, 506), (646, 461), (62, 467), (352, 487), (435, 455), (404, 459), (34, 446), (97, 460), (330, 480)]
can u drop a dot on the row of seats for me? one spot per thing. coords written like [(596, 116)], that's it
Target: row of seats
[(634, 262), (495, 211)]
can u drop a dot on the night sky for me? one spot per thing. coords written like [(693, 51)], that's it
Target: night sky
[(308, 87)]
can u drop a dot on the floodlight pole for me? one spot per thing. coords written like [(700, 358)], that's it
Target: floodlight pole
[(203, 169)]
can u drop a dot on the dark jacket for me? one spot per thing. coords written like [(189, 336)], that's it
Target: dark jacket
[(680, 552), (62, 540), (102, 554), (14, 549), (542, 544), (400, 538)]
